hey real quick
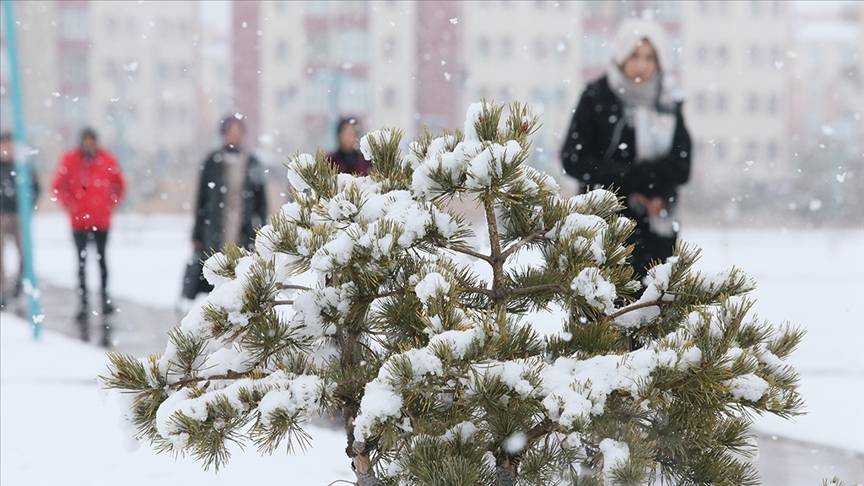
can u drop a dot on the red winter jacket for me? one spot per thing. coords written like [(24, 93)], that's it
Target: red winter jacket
[(89, 188)]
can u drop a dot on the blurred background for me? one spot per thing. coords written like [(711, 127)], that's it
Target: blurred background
[(774, 90), (774, 100)]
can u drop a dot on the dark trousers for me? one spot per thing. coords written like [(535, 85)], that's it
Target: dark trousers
[(100, 239)]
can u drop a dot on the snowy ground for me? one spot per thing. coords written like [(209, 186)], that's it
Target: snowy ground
[(808, 278), (58, 428)]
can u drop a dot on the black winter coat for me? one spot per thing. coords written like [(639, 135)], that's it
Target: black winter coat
[(209, 205), (9, 189), (592, 154)]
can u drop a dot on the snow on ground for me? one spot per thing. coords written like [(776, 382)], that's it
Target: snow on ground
[(58, 427), (146, 256), (810, 278)]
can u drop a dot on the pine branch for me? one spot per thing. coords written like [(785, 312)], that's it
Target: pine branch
[(641, 305), (292, 287), (472, 253), (534, 289), (513, 248), (230, 375)]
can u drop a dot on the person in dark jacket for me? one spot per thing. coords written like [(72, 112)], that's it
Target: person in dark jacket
[(10, 226), (347, 158), (231, 202), (628, 132), (89, 184)]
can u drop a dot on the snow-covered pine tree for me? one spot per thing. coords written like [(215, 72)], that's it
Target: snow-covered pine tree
[(373, 300)]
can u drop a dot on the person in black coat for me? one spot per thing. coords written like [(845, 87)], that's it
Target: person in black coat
[(628, 132), (10, 225), (347, 158), (231, 203)]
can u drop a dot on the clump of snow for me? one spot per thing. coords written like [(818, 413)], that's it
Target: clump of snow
[(487, 165), (381, 137), (379, 403), (585, 231), (511, 373), (472, 116), (464, 431), (515, 443), (598, 291), (212, 265), (692, 356), (302, 393), (196, 408), (615, 454), (657, 283), (597, 197), (430, 286), (747, 387), (311, 306), (295, 166), (384, 401), (575, 389)]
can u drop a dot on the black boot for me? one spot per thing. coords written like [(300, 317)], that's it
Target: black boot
[(82, 318), (106, 341), (107, 306)]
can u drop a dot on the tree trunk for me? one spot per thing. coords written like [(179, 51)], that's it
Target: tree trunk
[(363, 471), (505, 474)]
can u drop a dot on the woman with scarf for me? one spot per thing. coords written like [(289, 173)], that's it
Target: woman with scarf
[(628, 133), (347, 158)]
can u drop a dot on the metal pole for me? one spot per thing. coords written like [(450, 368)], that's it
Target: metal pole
[(22, 178)]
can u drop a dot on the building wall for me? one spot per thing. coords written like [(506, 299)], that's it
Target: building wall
[(246, 63), (282, 86), (393, 86), (737, 85)]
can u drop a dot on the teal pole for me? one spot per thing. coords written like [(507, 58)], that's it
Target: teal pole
[(22, 169)]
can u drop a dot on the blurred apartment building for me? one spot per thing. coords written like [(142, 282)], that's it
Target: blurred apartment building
[(154, 78), (131, 70), (419, 64)]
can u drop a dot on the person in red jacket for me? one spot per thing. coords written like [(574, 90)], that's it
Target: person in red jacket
[(89, 184)]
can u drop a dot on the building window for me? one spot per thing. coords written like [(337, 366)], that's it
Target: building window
[(722, 55), (282, 51), (284, 96), (506, 47), (772, 151), (390, 97), (755, 55), (720, 149), (750, 150), (776, 54), (701, 102), (752, 103), (388, 47), (539, 48), (756, 7), (352, 46), (110, 67), (73, 23), (483, 47), (701, 54), (163, 71), (773, 104), (720, 102)]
